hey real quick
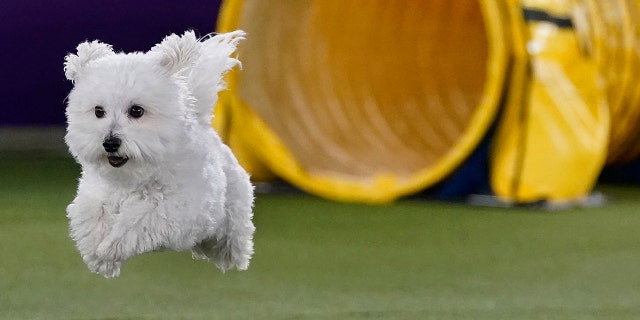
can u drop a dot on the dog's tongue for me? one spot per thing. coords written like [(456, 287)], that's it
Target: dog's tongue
[(116, 161)]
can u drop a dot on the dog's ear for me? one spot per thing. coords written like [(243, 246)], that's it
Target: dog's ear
[(86, 52), (177, 53)]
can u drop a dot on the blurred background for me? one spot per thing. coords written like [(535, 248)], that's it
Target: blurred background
[(39, 34), (525, 102), (459, 159)]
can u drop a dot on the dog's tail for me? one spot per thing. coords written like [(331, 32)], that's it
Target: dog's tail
[(206, 78)]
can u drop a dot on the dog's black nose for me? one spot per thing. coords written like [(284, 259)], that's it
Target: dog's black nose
[(111, 144)]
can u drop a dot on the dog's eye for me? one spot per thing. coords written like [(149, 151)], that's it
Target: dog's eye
[(99, 111), (136, 111)]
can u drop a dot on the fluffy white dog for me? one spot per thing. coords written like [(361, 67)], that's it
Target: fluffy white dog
[(155, 175)]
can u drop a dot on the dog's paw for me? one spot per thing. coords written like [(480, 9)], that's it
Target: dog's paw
[(106, 268), (222, 253)]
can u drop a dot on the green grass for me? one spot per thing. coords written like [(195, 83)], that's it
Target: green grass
[(317, 259)]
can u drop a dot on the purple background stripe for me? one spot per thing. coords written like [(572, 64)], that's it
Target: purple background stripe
[(36, 35)]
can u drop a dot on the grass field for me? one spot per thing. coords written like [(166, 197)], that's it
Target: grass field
[(317, 259)]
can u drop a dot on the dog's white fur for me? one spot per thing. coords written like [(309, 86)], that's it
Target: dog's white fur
[(182, 188)]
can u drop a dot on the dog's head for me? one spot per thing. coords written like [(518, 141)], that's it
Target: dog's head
[(128, 109)]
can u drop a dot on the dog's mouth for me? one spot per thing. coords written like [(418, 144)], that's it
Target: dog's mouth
[(117, 161)]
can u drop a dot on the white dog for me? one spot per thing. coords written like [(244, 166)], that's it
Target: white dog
[(155, 175)]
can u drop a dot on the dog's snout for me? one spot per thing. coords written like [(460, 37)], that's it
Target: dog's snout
[(111, 144)]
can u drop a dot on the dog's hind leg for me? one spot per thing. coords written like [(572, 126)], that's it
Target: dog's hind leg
[(232, 245)]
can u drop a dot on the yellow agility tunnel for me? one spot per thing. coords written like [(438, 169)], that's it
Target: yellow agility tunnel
[(372, 100)]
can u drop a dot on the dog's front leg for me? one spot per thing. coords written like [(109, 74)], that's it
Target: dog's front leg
[(89, 223), (137, 229)]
